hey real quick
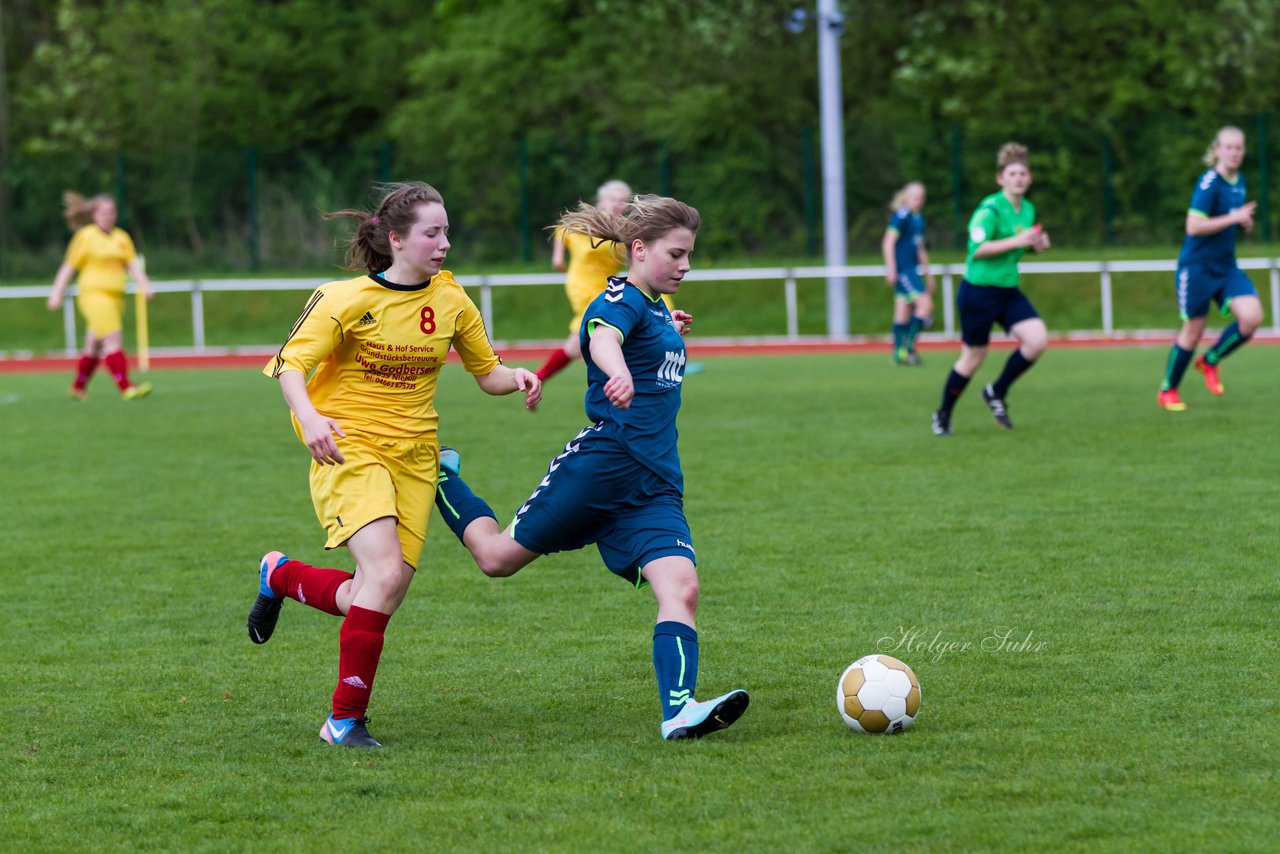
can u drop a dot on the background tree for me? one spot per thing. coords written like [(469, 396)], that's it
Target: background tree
[(223, 120)]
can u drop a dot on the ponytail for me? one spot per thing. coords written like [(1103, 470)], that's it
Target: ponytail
[(646, 218), (369, 247), (1211, 154), (78, 210)]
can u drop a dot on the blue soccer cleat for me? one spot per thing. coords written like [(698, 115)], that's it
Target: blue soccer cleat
[(347, 732), (450, 459), (266, 608), (698, 719)]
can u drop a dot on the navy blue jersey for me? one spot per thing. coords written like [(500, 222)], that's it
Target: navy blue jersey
[(910, 230), (655, 356), (1213, 196)]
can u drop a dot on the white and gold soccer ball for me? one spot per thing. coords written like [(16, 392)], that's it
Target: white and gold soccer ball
[(878, 694)]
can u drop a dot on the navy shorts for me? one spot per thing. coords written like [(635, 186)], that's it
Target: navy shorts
[(982, 306), (1198, 285), (595, 492), (909, 286)]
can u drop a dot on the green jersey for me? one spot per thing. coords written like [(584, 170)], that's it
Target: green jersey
[(995, 219)]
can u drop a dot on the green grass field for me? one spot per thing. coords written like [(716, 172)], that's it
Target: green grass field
[(1135, 548)]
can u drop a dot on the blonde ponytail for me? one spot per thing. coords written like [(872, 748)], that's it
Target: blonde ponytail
[(900, 197), (646, 218), (78, 210), (1210, 154)]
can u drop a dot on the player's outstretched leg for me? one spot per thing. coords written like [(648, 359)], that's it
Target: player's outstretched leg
[(280, 578), (458, 505), (266, 608), (698, 719)]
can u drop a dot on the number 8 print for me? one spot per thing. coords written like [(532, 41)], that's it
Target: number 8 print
[(428, 324)]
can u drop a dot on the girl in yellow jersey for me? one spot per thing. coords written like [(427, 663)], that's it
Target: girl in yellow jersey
[(101, 254), (359, 371), (591, 262)]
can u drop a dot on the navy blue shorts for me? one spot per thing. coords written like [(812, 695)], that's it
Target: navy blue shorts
[(595, 492), (1198, 285), (982, 306), (909, 286)]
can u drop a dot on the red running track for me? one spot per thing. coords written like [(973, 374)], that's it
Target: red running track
[(538, 352)]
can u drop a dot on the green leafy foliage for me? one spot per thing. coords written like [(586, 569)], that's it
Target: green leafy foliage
[(518, 109)]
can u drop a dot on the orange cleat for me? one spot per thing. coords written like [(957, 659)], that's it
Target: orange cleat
[(1168, 399), (1210, 372)]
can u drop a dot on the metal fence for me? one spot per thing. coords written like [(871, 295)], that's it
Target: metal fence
[(786, 277)]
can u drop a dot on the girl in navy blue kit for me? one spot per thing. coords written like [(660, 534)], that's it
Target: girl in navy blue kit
[(1207, 270), (618, 483)]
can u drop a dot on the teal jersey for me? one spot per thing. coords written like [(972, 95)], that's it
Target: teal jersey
[(909, 227), (1214, 196), (995, 219), (655, 356)]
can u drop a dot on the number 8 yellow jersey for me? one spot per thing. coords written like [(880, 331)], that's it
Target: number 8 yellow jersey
[(372, 351)]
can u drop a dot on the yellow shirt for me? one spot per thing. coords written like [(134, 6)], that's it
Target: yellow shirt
[(377, 347), (590, 265), (100, 258)]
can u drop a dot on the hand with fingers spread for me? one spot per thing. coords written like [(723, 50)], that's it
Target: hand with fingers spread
[(683, 320)]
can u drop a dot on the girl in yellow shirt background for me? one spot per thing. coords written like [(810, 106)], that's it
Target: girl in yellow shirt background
[(100, 253)]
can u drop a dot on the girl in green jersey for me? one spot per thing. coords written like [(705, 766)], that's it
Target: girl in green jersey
[(1000, 231)]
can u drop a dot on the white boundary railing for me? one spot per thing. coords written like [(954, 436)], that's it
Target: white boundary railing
[(787, 276)]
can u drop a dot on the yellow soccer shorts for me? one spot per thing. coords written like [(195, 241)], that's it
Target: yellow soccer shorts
[(580, 296), (381, 477), (103, 311)]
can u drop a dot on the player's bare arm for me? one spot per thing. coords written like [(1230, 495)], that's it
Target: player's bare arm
[(317, 429), (505, 380), (60, 282), (1202, 226), (606, 352)]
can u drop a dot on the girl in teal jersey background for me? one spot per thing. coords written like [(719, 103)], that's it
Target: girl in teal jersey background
[(1207, 270), (903, 248)]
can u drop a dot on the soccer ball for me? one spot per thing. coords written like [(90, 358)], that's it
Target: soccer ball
[(879, 694)]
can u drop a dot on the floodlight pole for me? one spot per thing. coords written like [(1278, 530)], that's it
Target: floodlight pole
[(830, 25)]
